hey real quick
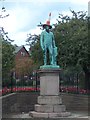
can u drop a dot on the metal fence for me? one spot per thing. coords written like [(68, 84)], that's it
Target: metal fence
[(67, 84)]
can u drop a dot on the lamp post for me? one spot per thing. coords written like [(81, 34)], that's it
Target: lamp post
[(35, 78), (11, 77), (77, 83)]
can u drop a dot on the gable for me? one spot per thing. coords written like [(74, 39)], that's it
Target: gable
[(22, 52)]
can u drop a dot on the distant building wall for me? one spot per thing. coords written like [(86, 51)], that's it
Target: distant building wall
[(22, 59), (21, 54)]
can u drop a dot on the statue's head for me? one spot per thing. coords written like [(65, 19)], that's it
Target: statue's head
[(47, 25)]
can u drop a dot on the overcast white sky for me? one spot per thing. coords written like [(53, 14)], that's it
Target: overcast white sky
[(25, 15)]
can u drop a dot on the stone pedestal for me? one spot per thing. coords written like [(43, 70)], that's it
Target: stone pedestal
[(49, 103), (49, 82)]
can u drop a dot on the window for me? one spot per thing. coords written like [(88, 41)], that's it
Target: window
[(23, 53)]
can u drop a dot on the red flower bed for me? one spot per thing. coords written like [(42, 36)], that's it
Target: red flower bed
[(62, 89), (74, 90), (8, 90)]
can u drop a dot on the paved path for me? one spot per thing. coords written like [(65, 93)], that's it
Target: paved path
[(74, 115)]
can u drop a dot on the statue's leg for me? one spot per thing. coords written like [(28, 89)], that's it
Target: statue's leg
[(45, 57), (51, 55), (54, 60)]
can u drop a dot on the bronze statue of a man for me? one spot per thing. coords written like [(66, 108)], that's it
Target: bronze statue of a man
[(47, 43)]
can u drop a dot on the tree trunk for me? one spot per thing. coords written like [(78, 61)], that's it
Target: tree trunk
[(87, 78)]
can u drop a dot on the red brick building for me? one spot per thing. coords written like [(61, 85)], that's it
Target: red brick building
[(23, 62), (21, 53)]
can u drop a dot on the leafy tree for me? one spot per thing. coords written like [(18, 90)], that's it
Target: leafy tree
[(71, 36), (35, 50), (23, 67), (37, 55), (7, 57), (32, 39), (7, 61)]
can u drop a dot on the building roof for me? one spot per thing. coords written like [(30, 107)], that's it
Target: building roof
[(17, 48)]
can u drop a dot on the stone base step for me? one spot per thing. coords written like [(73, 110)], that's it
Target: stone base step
[(49, 99), (49, 115), (50, 108)]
